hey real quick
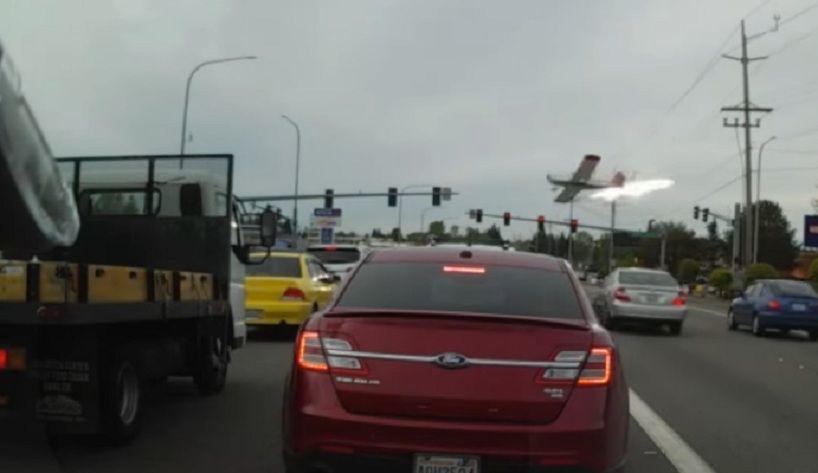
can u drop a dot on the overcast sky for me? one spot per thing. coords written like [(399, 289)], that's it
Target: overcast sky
[(486, 97)]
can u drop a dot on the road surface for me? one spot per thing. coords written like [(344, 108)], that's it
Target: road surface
[(740, 403)]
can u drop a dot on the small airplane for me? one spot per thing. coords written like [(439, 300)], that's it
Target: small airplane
[(581, 180)]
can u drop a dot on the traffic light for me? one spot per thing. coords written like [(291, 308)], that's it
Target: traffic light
[(696, 212), (705, 214), (436, 196), (574, 225), (541, 224), (328, 198), (506, 218), (392, 200), (478, 215)]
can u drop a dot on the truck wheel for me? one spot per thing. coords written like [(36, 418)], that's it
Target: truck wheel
[(211, 373), (122, 401)]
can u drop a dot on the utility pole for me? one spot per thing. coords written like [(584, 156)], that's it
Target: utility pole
[(736, 235), (611, 245), (746, 107), (571, 234)]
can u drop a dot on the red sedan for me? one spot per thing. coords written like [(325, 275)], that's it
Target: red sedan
[(456, 360)]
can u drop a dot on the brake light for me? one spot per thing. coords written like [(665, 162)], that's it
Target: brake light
[(311, 356), (774, 304), (620, 294), (293, 294), (465, 269), (598, 368), (679, 300), (310, 353), (12, 359)]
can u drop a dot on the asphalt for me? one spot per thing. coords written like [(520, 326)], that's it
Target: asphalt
[(236, 431), (744, 404)]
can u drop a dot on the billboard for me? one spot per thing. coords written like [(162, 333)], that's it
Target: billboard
[(811, 231)]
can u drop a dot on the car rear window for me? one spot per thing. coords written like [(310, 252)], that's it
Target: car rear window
[(792, 289), (462, 288), (646, 279), (336, 255), (276, 268)]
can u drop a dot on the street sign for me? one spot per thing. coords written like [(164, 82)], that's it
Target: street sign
[(446, 193), (326, 236), (811, 231), (322, 212), (326, 218)]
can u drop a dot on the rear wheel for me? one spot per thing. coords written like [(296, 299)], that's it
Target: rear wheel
[(731, 320), (121, 401), (675, 328), (211, 373), (758, 330)]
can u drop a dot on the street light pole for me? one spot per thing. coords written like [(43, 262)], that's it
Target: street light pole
[(423, 218), (756, 220), (297, 169), (400, 205), (187, 93)]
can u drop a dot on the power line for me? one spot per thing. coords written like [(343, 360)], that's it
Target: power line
[(719, 189), (796, 15)]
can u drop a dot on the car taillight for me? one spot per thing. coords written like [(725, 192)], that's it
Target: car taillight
[(620, 294), (679, 300), (12, 359), (293, 294), (311, 356), (598, 367), (774, 304)]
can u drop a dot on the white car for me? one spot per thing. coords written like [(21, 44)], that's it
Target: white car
[(339, 259)]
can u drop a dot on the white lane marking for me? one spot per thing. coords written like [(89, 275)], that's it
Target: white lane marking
[(677, 451), (708, 311)]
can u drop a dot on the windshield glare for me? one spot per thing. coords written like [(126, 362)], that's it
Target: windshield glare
[(646, 279)]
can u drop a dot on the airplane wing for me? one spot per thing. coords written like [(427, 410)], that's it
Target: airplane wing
[(586, 168), (568, 193)]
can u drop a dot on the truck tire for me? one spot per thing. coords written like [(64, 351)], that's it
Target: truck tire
[(210, 375), (121, 400)]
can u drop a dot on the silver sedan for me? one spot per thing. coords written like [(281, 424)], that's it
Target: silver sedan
[(638, 294)]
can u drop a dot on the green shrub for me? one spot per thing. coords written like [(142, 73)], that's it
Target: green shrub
[(688, 270), (760, 271), (721, 279), (812, 274)]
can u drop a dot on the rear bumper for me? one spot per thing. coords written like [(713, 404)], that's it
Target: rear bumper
[(788, 322), (275, 313), (589, 435), (648, 312)]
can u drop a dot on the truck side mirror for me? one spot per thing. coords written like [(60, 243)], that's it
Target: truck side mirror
[(269, 224)]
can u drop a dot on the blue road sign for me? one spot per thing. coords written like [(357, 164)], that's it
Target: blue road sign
[(322, 212), (326, 235)]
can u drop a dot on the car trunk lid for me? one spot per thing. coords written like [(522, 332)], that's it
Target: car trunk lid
[(455, 366)]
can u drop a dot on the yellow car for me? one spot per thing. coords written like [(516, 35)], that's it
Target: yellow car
[(286, 288)]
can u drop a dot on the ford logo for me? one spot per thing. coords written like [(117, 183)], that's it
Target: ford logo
[(451, 361)]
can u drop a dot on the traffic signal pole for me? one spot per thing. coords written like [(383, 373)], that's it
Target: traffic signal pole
[(611, 243)]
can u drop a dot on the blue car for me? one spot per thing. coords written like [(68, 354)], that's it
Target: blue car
[(776, 304)]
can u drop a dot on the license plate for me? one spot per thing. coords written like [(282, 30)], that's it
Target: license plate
[(799, 307), (446, 464)]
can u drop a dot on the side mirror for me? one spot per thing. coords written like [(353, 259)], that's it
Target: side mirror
[(269, 224), (330, 278)]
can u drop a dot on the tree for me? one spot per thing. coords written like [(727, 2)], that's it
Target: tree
[(688, 270), (583, 247), (376, 233), (812, 274), (721, 279), (494, 235), (760, 271), (776, 238), (454, 230), (681, 243), (437, 228)]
